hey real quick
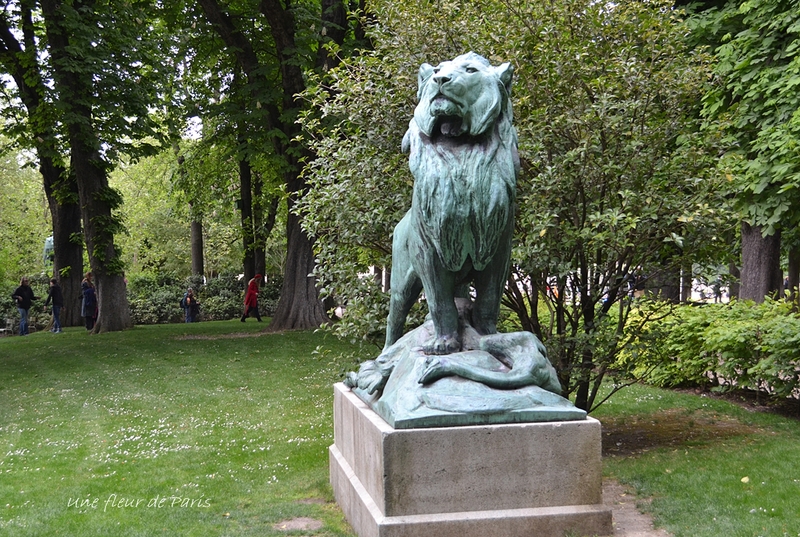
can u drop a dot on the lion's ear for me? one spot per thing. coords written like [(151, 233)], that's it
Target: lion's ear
[(425, 72), (506, 73)]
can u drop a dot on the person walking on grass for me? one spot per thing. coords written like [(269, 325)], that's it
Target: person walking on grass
[(55, 295), (22, 296), (89, 301), (251, 298), (191, 306)]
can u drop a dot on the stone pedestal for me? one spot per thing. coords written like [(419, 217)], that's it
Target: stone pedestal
[(509, 480)]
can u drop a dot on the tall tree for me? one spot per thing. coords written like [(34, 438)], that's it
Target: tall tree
[(615, 180), (103, 63), (274, 79), (22, 61), (754, 104), (195, 217)]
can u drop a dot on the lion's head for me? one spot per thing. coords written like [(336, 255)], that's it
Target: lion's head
[(463, 96)]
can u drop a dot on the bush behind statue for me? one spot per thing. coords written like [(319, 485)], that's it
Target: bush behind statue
[(723, 346)]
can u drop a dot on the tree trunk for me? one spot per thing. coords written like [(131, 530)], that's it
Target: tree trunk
[(198, 268), (68, 252), (61, 190), (299, 306), (736, 279), (245, 191), (196, 220), (666, 284), (334, 25), (269, 223), (97, 200), (259, 235), (582, 394), (686, 283), (761, 257)]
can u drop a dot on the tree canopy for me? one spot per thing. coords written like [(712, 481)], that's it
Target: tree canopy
[(757, 104)]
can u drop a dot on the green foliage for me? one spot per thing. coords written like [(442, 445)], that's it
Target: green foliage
[(116, 46), (269, 294), (221, 298), (156, 239), (156, 215), (755, 104), (620, 183), (24, 221), (155, 297), (741, 345), (614, 177)]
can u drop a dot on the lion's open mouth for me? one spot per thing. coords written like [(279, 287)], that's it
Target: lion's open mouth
[(448, 116), (450, 126)]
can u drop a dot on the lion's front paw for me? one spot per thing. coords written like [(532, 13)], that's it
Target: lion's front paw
[(443, 345)]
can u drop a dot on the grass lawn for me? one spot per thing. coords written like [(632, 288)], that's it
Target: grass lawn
[(146, 432), (711, 467), (213, 429)]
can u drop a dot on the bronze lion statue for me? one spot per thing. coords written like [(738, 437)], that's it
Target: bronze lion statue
[(463, 156)]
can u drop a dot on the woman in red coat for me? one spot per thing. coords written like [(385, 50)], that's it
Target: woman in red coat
[(251, 298)]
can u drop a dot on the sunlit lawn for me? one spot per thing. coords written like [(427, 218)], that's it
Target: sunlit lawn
[(145, 433), (149, 432)]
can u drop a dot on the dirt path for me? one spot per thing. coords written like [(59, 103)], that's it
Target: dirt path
[(628, 521)]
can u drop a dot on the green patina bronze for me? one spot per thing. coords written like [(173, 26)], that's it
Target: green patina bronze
[(463, 155), (456, 238)]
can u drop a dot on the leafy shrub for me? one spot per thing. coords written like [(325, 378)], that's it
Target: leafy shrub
[(269, 295), (155, 298), (742, 344), (8, 310), (221, 298)]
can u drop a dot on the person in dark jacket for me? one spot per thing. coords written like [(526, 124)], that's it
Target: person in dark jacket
[(191, 306), (56, 296), (23, 295), (89, 302)]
